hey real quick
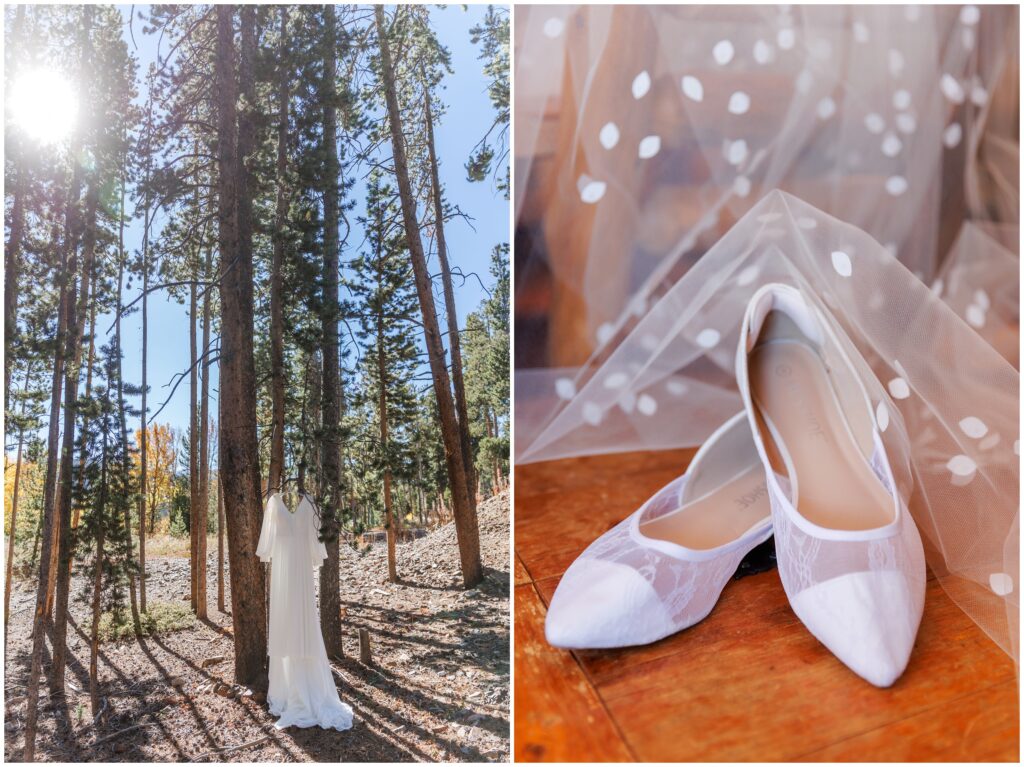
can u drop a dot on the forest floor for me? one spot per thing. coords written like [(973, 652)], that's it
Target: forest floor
[(437, 690)]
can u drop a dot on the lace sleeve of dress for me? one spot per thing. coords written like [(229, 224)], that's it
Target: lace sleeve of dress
[(267, 532)]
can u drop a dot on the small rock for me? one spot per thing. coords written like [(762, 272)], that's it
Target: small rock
[(178, 682)]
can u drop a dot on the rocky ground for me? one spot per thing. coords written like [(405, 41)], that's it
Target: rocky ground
[(437, 689)]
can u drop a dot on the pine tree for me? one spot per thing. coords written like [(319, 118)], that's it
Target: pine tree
[(330, 315), (239, 459), (492, 151), (488, 372), (103, 490), (437, 198), (93, 41), (108, 96), (465, 516), (382, 287)]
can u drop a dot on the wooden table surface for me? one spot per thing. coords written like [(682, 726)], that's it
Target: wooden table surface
[(749, 682)]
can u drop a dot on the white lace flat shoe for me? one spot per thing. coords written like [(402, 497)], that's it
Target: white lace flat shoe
[(663, 568), (849, 553)]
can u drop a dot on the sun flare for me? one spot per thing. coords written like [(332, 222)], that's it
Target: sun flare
[(43, 105)]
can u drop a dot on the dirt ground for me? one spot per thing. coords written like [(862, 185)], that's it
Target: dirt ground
[(437, 690)]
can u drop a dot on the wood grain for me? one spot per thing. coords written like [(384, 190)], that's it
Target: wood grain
[(522, 577), (749, 682), (559, 716), (929, 736)]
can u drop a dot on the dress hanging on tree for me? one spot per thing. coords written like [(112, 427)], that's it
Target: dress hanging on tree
[(302, 691)]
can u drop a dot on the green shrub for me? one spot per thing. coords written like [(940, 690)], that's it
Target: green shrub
[(160, 618)]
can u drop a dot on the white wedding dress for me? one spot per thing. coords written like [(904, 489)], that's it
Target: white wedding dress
[(302, 691)]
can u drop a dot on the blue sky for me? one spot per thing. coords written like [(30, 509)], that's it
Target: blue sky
[(469, 115)]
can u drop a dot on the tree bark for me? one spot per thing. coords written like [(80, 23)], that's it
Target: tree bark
[(389, 517), (330, 579), (220, 547), (34, 562), (125, 455), (193, 454), (454, 342), (466, 528), (276, 472), (72, 374), (239, 456), (90, 360), (145, 349), (204, 451), (97, 590), (94, 634)]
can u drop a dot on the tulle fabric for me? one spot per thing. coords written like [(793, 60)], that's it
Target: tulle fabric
[(673, 121), (949, 399), (302, 690), (887, 128), (980, 280)]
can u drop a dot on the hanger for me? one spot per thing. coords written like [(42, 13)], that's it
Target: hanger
[(281, 488), (301, 491)]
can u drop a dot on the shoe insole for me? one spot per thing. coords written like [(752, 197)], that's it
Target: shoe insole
[(716, 518), (836, 487)]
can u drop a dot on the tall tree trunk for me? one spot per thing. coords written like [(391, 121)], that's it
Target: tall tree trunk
[(466, 529), (330, 578), (72, 374), (420, 498), (90, 361), (50, 492), (276, 277), (12, 252), (220, 546), (94, 633), (204, 448), (143, 457), (239, 456), (499, 483), (389, 517), (50, 527), (193, 453), (454, 342), (14, 507), (122, 415), (97, 591)]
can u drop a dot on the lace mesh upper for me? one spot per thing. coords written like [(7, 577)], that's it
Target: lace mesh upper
[(646, 594)]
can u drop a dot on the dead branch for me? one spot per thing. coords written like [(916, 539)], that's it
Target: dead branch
[(229, 749)]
